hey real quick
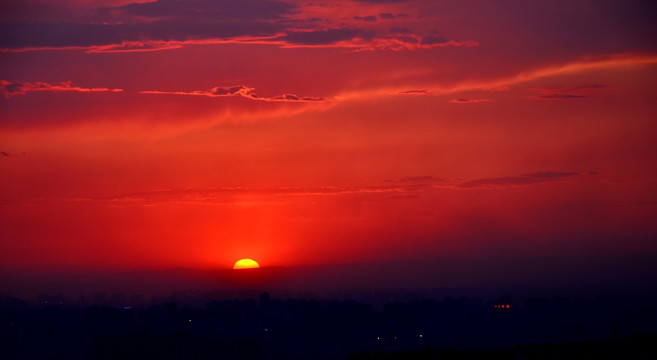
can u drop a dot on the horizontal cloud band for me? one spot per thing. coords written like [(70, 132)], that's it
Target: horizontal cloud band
[(239, 90), (9, 88)]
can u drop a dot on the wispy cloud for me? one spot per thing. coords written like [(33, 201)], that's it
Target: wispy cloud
[(618, 61), (405, 188), (362, 39), (564, 93), (11, 154), (415, 92), (524, 179), (410, 187), (240, 91), (366, 18), (242, 195), (12, 88), (594, 87), (557, 96), (469, 101), (165, 25)]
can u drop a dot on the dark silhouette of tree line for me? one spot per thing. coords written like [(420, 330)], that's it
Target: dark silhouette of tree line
[(270, 328)]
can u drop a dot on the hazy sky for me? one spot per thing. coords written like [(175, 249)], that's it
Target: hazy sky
[(149, 134)]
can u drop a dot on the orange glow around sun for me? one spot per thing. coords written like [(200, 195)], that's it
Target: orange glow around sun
[(245, 264), (456, 145)]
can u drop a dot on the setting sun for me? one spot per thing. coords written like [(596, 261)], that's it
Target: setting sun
[(245, 264)]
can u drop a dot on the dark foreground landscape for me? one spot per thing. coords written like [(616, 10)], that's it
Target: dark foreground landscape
[(265, 327)]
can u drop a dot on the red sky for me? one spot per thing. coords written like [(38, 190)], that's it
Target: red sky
[(193, 133)]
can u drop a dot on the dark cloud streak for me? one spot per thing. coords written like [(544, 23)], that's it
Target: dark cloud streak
[(321, 37), (241, 91), (211, 9), (469, 101), (558, 96), (9, 89), (524, 179), (565, 93), (171, 24)]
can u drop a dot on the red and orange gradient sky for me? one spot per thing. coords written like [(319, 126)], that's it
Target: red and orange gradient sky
[(155, 134)]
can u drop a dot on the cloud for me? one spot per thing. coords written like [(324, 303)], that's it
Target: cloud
[(405, 188), (524, 179), (10, 154), (557, 97), (469, 101), (617, 61), (170, 24), (162, 20), (564, 93), (365, 18), (409, 187), (594, 87), (212, 9), (9, 88), (292, 97), (415, 92), (348, 38), (232, 91), (321, 37), (241, 91), (401, 30), (550, 174), (433, 40), (236, 195)]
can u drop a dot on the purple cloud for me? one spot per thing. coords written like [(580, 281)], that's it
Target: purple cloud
[(321, 37), (469, 101), (365, 18), (9, 89), (558, 96), (524, 179), (415, 92), (171, 24), (238, 90)]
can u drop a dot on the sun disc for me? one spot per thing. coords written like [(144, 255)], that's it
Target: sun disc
[(245, 264)]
